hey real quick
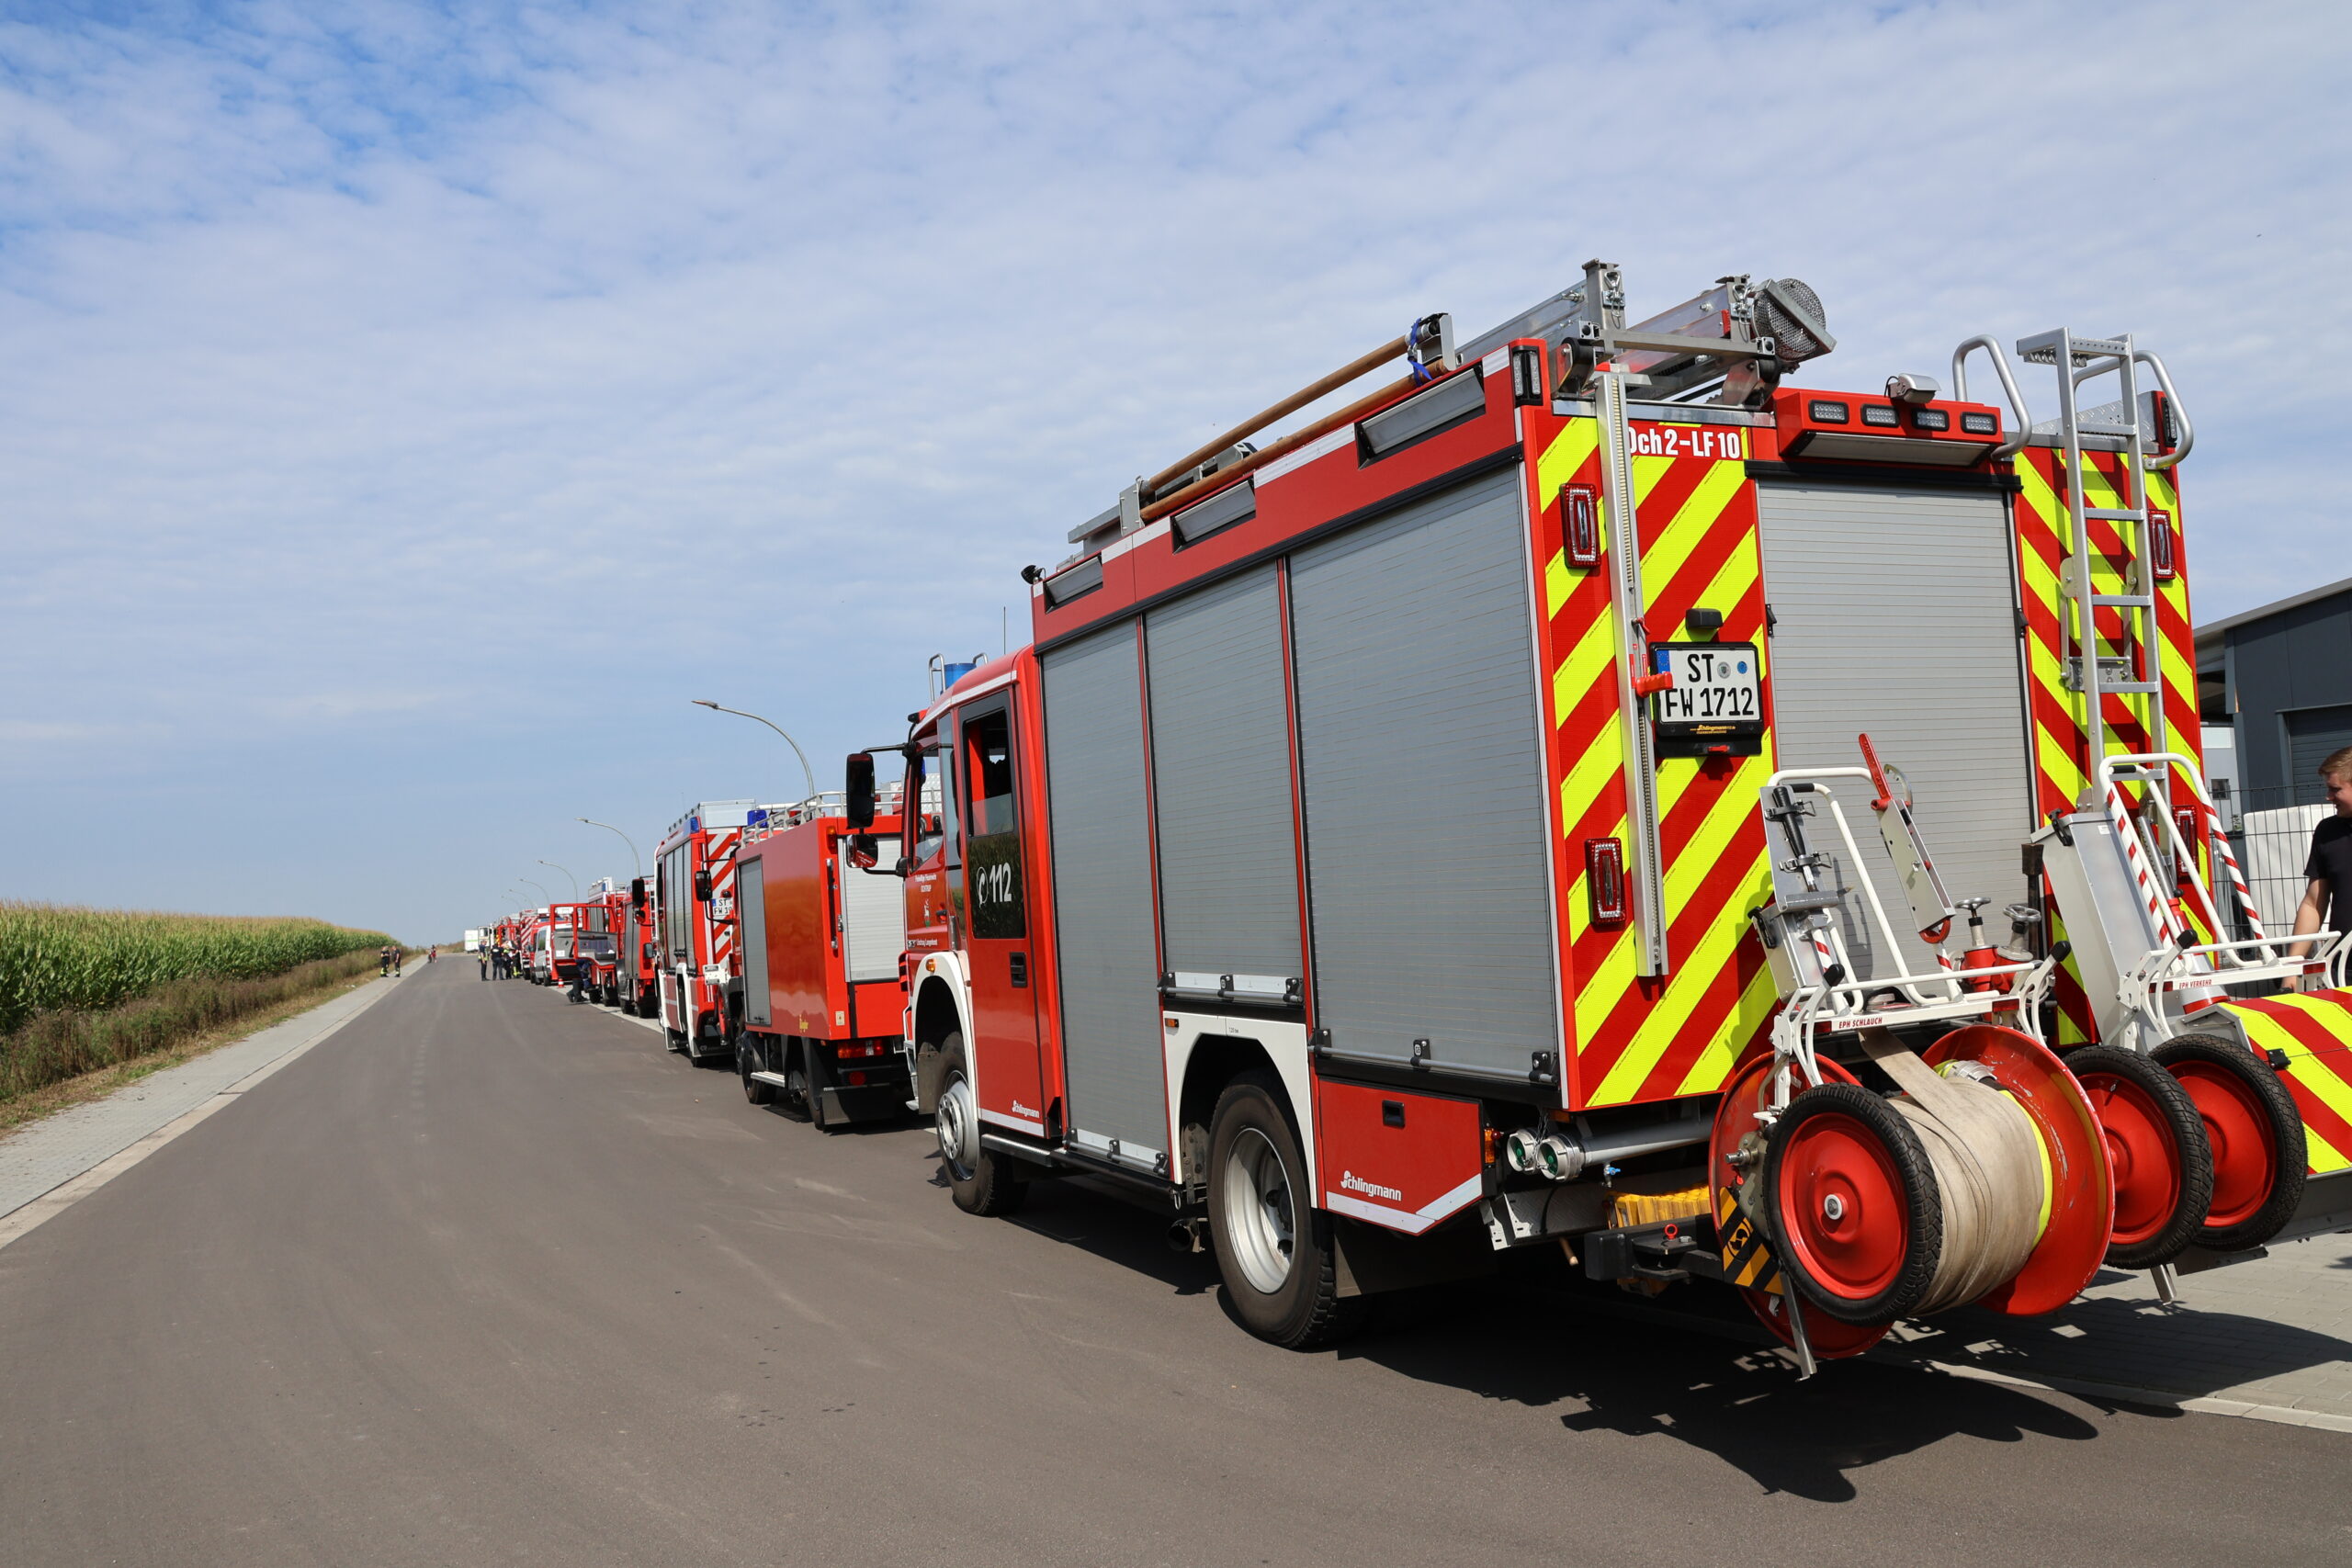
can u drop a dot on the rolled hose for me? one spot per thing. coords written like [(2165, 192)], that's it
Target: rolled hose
[(1888, 1209)]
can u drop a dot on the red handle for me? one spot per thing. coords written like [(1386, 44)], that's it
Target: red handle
[(1645, 685)]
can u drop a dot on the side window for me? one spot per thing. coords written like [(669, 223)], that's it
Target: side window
[(995, 886)]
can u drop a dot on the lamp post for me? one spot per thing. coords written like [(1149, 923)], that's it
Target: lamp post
[(808, 772), (609, 828), (545, 896), (575, 881)]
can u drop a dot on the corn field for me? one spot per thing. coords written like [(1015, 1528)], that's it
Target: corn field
[(54, 958)]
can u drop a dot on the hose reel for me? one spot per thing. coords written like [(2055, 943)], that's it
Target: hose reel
[(1985, 1181)]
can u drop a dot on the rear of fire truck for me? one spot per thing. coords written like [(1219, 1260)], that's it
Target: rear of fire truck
[(1555, 801), (821, 939), (641, 950), (695, 894)]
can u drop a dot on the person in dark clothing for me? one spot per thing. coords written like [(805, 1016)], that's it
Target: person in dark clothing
[(384, 962), (579, 992), (2327, 900), (481, 955), (399, 954)]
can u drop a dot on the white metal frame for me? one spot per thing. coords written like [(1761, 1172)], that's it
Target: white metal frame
[(1824, 1008)]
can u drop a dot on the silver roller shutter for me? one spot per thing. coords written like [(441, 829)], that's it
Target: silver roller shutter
[(1419, 754), (752, 905), (1221, 786), (1102, 848), (1896, 614), (2312, 734), (874, 921)]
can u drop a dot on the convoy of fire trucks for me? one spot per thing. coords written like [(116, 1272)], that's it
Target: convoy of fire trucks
[(1588, 792)]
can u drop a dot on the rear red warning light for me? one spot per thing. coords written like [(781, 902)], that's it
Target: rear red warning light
[(2160, 544), (1604, 880), (1580, 525)]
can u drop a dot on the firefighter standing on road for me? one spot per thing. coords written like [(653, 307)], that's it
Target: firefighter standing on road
[(482, 954), (384, 961), (2327, 901), (579, 992), (399, 953)]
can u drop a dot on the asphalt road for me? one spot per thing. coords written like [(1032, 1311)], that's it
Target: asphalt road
[(489, 1279)]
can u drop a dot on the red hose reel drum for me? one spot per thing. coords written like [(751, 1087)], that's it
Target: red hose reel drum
[(1851, 1228)]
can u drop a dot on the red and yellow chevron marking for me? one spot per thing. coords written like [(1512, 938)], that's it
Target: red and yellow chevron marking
[(2062, 752), (2315, 1032), (1636, 1039)]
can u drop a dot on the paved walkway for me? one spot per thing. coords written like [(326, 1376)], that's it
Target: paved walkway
[(2272, 1339), (45, 1155)]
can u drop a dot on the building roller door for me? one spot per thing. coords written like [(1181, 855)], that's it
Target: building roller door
[(1101, 848), (1894, 612), (1420, 761), (1221, 790)]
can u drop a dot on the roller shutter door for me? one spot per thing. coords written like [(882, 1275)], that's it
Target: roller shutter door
[(751, 902), (1419, 755), (1101, 848), (874, 921), (1221, 785), (1896, 614), (2312, 734)]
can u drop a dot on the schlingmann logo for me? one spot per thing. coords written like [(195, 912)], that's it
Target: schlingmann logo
[(1350, 1181)]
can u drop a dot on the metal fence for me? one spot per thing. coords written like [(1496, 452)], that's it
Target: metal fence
[(2273, 841)]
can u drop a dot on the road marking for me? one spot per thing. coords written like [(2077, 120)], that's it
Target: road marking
[(31, 1216)]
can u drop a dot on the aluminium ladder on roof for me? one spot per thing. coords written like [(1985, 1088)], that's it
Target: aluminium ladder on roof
[(2077, 360)]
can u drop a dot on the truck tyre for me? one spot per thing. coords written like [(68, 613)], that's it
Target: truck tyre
[(2255, 1134), (748, 1059), (795, 1072), (2156, 1149), (813, 1069), (981, 1182), (1273, 1246)]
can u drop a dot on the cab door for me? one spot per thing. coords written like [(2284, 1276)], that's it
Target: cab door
[(1005, 1069)]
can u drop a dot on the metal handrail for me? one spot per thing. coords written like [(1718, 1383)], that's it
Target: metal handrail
[(2017, 411), (2187, 432)]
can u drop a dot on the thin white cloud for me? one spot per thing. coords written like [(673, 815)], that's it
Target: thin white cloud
[(559, 359)]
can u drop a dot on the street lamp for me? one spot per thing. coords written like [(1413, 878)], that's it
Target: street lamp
[(609, 828), (575, 881), (789, 740), (545, 896)]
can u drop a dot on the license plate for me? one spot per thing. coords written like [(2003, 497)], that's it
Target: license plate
[(1716, 703)]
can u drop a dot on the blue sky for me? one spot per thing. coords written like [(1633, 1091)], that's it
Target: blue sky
[(406, 410)]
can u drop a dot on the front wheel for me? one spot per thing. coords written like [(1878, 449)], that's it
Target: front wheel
[(1273, 1246), (981, 1182)]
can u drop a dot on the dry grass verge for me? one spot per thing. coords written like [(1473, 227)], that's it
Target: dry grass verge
[(56, 1052)]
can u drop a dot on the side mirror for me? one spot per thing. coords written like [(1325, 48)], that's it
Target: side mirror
[(862, 851), (860, 785), (702, 888), (637, 893)]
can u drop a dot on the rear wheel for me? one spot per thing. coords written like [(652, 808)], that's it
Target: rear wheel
[(812, 1055), (2156, 1149), (982, 1182), (1856, 1222), (1273, 1246), (2255, 1134), (748, 1059)]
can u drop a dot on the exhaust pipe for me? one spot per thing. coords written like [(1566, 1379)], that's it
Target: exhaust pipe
[(1184, 1235)]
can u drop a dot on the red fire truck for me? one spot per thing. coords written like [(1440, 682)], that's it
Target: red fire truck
[(694, 891), (822, 937), (1451, 827), (603, 915), (555, 945), (640, 951)]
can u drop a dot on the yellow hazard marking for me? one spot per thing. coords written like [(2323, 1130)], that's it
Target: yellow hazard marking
[(2304, 1065), (1569, 451), (1590, 662), (1557, 583)]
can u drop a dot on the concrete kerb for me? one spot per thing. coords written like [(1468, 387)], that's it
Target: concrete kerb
[(40, 1209)]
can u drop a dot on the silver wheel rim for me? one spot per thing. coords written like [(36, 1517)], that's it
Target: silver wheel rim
[(958, 1128), (1258, 1212)]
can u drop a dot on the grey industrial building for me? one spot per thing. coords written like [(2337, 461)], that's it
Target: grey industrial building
[(2280, 678)]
